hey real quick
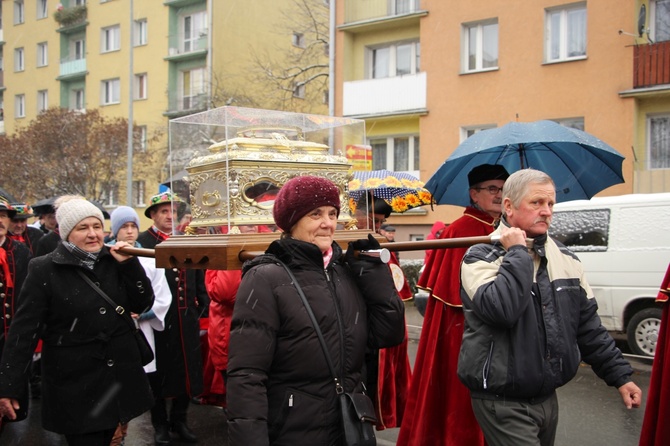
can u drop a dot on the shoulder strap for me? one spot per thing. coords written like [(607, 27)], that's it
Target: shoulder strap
[(117, 308), (338, 385)]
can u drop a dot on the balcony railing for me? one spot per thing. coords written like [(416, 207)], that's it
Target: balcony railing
[(188, 103), (179, 44), (361, 10), (652, 65), (391, 95), (72, 66)]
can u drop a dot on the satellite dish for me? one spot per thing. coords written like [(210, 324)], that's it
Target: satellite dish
[(642, 20)]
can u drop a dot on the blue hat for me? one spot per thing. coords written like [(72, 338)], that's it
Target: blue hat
[(122, 215)]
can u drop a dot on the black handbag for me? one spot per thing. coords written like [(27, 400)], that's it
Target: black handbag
[(146, 352), (356, 408)]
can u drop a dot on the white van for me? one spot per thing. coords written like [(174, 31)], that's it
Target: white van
[(624, 245)]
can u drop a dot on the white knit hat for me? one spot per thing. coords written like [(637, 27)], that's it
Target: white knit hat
[(72, 209)]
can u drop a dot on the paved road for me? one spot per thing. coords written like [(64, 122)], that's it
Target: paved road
[(591, 414)]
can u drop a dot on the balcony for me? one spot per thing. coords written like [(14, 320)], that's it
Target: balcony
[(385, 97), (72, 67), (182, 105), (651, 65), (360, 12), (181, 47), (72, 17)]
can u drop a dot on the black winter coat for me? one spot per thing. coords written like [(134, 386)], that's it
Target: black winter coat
[(280, 389), (178, 358), (92, 375), (18, 256)]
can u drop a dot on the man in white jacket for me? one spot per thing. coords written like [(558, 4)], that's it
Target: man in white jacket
[(125, 227)]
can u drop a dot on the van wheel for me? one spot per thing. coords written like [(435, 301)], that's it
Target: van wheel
[(643, 330)]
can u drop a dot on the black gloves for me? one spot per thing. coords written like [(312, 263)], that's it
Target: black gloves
[(363, 244)]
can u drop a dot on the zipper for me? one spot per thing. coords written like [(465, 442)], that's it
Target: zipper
[(487, 367), (340, 325)]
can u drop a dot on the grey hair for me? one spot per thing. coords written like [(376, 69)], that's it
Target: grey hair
[(516, 186)]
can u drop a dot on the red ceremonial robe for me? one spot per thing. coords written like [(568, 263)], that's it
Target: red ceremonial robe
[(655, 427), (438, 410), (394, 374)]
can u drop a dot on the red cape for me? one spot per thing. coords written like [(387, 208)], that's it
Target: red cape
[(655, 427), (394, 375), (438, 410)]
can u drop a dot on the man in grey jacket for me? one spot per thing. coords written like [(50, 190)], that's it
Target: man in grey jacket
[(530, 318)]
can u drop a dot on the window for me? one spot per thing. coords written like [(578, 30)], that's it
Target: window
[(143, 138), (193, 28), (79, 2), (582, 231), (299, 91), (77, 99), (660, 20), (193, 83), (394, 60), (140, 32), (42, 11), (20, 106), (110, 39), (480, 46), (299, 40), (565, 33), (573, 123), (78, 48), (19, 12), (110, 91), (140, 87), (404, 6), (658, 142), (138, 193), (19, 63), (110, 193), (467, 132), (42, 54), (396, 153), (42, 100)]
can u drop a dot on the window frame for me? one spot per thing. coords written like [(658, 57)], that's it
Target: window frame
[(653, 28), (479, 28), (139, 193), (469, 130), (142, 129), (20, 106), (19, 59), (189, 43), (193, 82), (110, 39), (389, 142), (42, 54), (42, 100), (19, 12), (42, 9), (140, 32), (140, 86), (75, 95), (392, 66), (110, 91), (650, 159), (564, 33)]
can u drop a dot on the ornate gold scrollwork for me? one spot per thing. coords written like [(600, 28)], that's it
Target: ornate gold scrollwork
[(211, 199)]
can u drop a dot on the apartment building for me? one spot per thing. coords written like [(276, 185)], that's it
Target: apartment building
[(426, 74), (158, 61)]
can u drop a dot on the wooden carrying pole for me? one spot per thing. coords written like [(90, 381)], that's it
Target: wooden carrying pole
[(230, 251)]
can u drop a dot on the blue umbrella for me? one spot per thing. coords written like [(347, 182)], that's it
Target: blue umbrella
[(580, 164)]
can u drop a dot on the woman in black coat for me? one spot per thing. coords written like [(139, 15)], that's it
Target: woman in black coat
[(280, 388), (92, 375)]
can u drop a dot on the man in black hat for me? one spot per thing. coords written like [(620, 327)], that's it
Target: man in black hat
[(19, 229), (14, 258), (179, 371)]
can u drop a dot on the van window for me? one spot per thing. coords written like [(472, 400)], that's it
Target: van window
[(582, 231)]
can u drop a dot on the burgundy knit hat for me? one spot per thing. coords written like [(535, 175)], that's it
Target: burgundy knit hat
[(301, 195)]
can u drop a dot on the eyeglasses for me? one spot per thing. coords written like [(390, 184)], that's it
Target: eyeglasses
[(493, 190)]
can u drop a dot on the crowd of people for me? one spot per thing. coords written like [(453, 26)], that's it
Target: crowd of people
[(505, 325)]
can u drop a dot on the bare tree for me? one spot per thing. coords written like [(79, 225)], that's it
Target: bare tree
[(64, 152), (297, 77)]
